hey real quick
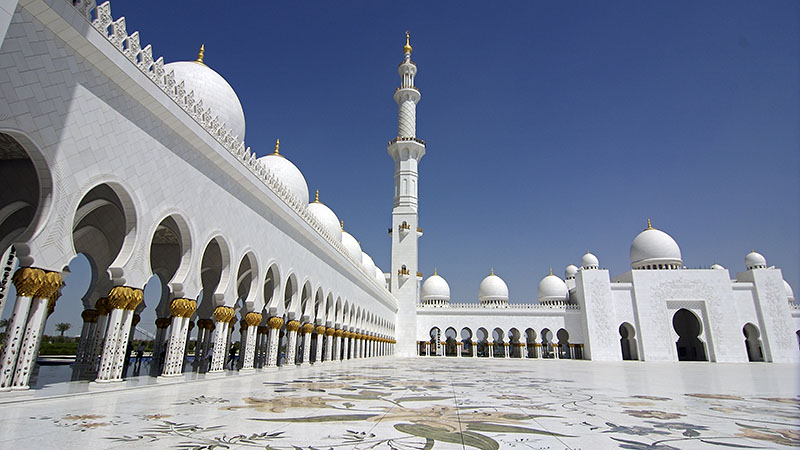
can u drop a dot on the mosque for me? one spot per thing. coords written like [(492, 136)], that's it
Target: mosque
[(90, 119)]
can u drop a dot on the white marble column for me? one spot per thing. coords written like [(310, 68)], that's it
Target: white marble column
[(122, 301), (329, 332), (459, 347), (306, 331), (320, 334), (30, 343), (337, 345), (223, 315), (491, 349), (291, 342), (249, 349), (122, 344), (182, 309), (274, 324)]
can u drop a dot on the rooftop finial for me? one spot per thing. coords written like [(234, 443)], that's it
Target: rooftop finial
[(201, 53), (492, 272), (407, 47), (277, 146), (316, 197), (551, 271), (341, 223), (435, 272), (649, 225)]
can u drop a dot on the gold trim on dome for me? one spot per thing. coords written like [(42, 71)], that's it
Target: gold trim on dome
[(200, 54)]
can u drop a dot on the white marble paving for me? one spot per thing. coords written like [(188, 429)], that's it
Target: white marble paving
[(423, 403)]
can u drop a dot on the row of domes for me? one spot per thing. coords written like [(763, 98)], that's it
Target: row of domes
[(215, 93), (651, 249)]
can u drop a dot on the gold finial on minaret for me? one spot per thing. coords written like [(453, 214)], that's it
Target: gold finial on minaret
[(201, 53), (407, 47), (277, 147), (316, 197), (492, 271), (649, 225)]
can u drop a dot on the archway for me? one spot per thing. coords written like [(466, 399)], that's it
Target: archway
[(482, 337), (530, 341), (563, 344), (435, 341), (499, 347), (466, 339), (547, 344), (688, 327), (627, 342), (451, 346), (752, 343), (514, 350)]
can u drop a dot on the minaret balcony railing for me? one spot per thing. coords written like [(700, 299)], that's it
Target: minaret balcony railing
[(419, 275), (413, 88), (406, 139)]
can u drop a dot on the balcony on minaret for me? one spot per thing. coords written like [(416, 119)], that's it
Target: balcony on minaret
[(403, 272), (419, 276), (419, 231), (406, 139)]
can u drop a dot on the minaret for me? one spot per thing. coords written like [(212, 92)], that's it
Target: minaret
[(406, 151)]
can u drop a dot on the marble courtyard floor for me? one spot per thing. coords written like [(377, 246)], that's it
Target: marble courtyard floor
[(428, 403)]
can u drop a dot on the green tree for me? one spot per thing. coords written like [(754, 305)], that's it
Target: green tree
[(62, 327)]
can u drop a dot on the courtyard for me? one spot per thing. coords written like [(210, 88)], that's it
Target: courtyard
[(423, 403)]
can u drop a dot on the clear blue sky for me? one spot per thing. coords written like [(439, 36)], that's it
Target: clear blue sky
[(552, 128)]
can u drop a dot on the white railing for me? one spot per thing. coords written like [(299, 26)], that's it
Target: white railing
[(538, 306), (130, 46)]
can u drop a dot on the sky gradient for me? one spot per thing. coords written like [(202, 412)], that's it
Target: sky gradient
[(552, 128)]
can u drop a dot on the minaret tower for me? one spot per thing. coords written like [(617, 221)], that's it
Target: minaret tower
[(406, 151)]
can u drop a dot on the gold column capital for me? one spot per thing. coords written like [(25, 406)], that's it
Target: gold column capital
[(28, 280), (253, 319), (330, 331), (89, 315), (183, 307), (338, 333), (307, 328), (102, 306), (293, 325), (223, 314), (163, 322), (119, 297), (320, 329), (275, 323), (136, 297)]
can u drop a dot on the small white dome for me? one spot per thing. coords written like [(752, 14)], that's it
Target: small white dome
[(589, 261), (571, 271), (789, 292), (379, 277), (493, 290), (655, 248), (287, 173), (755, 260), (367, 263), (435, 289), (716, 266), (326, 217), (552, 288), (352, 246), (213, 90)]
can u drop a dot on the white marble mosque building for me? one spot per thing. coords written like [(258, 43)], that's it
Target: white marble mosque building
[(90, 118)]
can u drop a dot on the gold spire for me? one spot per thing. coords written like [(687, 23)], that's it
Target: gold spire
[(407, 47), (435, 272), (649, 225), (201, 53), (341, 223), (316, 197), (551, 271), (492, 272), (277, 147)]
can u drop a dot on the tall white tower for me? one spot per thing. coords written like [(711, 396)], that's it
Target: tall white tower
[(406, 151)]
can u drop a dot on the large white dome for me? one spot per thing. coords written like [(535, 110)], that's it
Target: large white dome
[(570, 271), (493, 290), (287, 173), (589, 261), (435, 290), (367, 263), (379, 277), (551, 289), (755, 260), (655, 249), (352, 246), (213, 90), (326, 217)]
